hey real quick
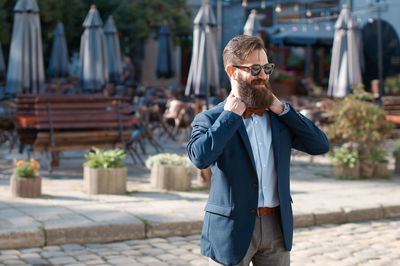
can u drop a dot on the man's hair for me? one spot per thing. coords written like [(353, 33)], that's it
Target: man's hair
[(240, 47)]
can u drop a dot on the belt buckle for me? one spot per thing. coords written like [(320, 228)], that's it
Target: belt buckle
[(258, 212)]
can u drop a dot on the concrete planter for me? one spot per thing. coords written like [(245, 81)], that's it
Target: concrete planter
[(380, 169), (347, 171), (367, 168), (397, 162), (26, 187), (105, 180), (170, 177)]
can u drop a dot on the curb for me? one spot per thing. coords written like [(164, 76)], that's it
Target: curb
[(120, 232)]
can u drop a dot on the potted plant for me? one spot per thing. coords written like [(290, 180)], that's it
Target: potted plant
[(361, 125), (345, 162), (104, 172), (25, 181), (171, 171), (396, 154)]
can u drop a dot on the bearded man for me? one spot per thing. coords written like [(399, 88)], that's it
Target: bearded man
[(247, 142)]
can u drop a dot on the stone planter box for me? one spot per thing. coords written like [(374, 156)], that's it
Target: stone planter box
[(380, 169), (347, 171), (26, 187), (170, 177), (367, 168), (397, 162), (105, 180)]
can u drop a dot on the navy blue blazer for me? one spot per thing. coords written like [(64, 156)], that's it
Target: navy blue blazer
[(219, 140)]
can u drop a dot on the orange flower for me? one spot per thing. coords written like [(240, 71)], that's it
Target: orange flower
[(20, 162), (34, 163)]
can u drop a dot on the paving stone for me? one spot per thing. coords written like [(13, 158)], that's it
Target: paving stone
[(147, 259), (10, 252), (30, 256), (52, 248), (62, 260), (141, 246), (94, 262), (131, 252), (157, 240), (51, 254), (81, 252), (14, 262), (188, 257), (36, 261), (199, 262), (30, 250), (69, 247), (8, 257), (151, 251), (177, 251), (166, 257), (87, 257)]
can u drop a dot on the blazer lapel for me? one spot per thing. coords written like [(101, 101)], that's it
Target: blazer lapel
[(246, 141), (275, 138)]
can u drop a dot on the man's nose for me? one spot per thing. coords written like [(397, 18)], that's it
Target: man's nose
[(262, 74)]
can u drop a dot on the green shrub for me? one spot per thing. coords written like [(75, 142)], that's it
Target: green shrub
[(359, 122), (26, 169), (171, 159), (344, 156), (99, 158)]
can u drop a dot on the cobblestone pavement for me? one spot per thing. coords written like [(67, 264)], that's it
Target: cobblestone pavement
[(370, 243)]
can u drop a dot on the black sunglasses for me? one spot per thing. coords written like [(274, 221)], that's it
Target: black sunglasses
[(255, 69)]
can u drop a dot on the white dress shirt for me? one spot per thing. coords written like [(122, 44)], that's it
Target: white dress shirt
[(259, 132)]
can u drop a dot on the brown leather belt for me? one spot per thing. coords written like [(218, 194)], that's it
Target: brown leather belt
[(261, 211)]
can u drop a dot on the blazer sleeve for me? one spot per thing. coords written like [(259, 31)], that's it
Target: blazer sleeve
[(208, 138), (307, 137)]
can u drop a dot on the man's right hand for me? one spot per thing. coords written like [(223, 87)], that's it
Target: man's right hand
[(235, 105)]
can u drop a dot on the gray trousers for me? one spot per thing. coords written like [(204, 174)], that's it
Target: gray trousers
[(266, 246)]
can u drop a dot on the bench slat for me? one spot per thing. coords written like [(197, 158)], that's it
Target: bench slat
[(83, 125)]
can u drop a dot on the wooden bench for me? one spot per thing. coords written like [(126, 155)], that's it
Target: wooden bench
[(54, 123), (391, 104)]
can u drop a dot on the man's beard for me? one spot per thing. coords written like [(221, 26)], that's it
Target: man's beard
[(255, 97)]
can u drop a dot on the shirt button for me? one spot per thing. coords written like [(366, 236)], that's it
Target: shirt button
[(264, 165), (260, 143), (253, 211)]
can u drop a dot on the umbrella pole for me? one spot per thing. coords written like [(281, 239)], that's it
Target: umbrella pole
[(197, 106), (58, 85), (163, 82)]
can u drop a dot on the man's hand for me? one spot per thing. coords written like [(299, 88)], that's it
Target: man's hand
[(276, 106), (235, 105)]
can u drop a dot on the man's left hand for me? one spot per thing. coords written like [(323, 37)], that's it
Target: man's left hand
[(276, 106)]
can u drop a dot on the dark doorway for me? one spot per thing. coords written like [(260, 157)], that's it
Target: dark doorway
[(390, 47)]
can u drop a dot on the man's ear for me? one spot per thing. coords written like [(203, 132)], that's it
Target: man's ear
[(230, 70)]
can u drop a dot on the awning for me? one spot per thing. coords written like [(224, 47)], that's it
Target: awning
[(313, 34)]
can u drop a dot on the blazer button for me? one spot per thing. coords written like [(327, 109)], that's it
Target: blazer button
[(253, 211), (255, 185)]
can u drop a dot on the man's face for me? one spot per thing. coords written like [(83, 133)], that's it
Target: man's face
[(255, 91)]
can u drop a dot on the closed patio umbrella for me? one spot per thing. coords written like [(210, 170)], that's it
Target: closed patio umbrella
[(164, 68), (25, 73), (203, 78), (345, 65), (113, 51), (93, 56), (58, 66), (252, 26), (2, 66)]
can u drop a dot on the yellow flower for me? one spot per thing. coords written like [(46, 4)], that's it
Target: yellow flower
[(20, 162), (35, 163)]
